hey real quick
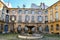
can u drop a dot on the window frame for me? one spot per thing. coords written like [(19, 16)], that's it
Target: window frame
[(27, 18), (26, 11), (19, 11), (32, 12), (40, 18)]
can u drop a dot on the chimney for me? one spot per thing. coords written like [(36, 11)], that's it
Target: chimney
[(44, 5), (41, 5), (23, 5), (18, 7)]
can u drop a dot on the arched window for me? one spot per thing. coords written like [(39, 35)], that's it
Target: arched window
[(6, 28), (40, 28), (33, 29), (47, 28), (26, 29), (19, 28)]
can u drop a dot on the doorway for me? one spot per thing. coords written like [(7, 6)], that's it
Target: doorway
[(6, 28)]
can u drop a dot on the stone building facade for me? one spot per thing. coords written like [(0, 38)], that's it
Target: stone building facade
[(30, 19)]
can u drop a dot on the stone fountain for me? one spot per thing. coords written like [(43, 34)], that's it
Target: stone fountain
[(30, 36)]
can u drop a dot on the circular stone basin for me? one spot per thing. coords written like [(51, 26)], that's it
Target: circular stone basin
[(29, 36)]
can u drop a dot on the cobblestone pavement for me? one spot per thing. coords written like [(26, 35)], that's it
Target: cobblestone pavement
[(14, 37)]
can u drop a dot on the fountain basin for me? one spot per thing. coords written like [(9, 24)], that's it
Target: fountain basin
[(30, 37)]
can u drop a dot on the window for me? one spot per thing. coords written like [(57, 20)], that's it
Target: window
[(7, 11), (2, 16), (39, 12), (51, 18), (13, 11), (7, 18), (20, 11), (47, 28), (56, 15), (51, 27), (56, 8), (39, 18), (57, 26), (46, 12), (46, 18), (40, 28), (19, 28), (3, 9), (33, 29), (27, 18), (26, 11), (32, 12), (32, 20), (1, 27), (19, 18), (26, 29), (51, 10)]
